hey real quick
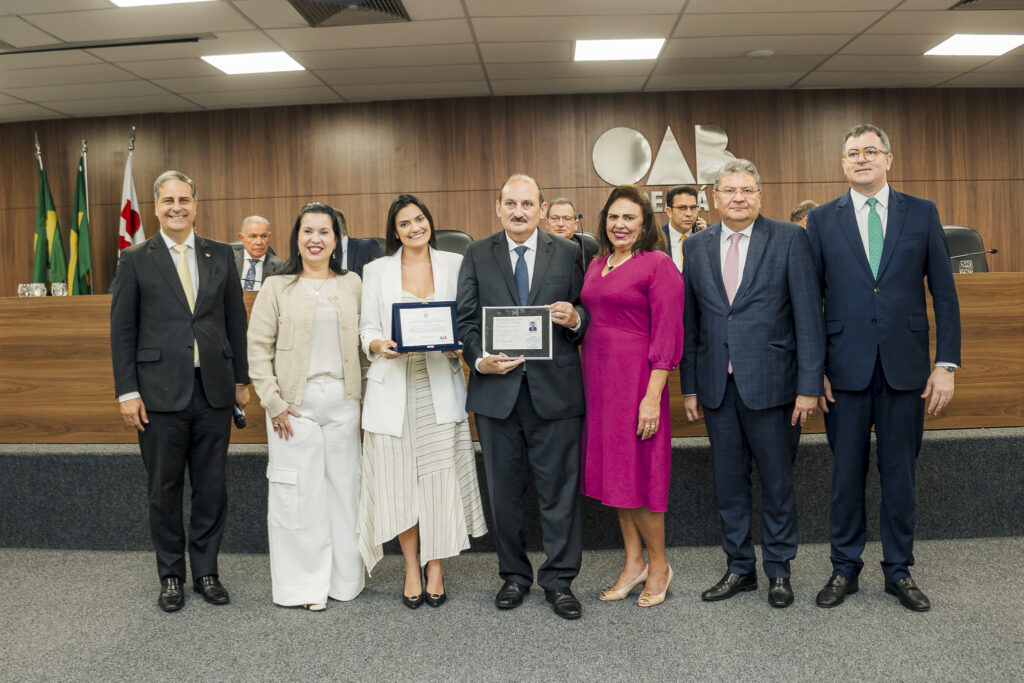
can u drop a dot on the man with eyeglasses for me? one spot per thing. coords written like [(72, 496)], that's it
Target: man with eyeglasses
[(562, 220), (874, 248), (753, 349), (684, 220), (253, 257)]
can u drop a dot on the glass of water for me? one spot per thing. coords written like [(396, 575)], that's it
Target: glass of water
[(59, 289), (25, 289), (966, 265), (38, 289)]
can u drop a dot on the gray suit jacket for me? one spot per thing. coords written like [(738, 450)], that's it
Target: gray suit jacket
[(271, 265), (773, 331)]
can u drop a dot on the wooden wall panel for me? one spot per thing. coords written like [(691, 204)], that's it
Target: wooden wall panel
[(964, 149)]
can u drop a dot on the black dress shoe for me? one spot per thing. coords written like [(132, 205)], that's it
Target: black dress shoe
[(172, 597), (836, 590), (909, 594), (780, 593), (565, 603), (412, 601), (211, 590), (730, 585), (510, 595)]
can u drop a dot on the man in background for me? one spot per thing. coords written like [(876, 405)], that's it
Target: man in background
[(562, 220), (800, 211), (253, 258), (356, 253), (683, 220)]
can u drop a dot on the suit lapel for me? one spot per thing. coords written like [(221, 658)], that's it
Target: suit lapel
[(847, 220), (893, 229), (163, 262), (499, 248), (353, 253), (437, 269), (714, 252), (755, 250), (205, 267), (540, 264)]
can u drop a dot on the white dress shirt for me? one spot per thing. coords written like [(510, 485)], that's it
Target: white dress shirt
[(675, 243), (861, 211), (743, 245), (530, 256), (246, 264), (344, 252)]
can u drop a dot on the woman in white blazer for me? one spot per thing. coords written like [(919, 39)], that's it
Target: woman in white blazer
[(418, 465), (304, 364)]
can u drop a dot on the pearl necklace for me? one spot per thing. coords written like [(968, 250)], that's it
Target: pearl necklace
[(611, 267)]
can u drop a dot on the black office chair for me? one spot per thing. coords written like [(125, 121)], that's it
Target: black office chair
[(382, 243), (590, 247), (962, 241), (455, 241)]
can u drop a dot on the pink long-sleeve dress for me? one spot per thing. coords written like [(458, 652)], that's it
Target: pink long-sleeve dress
[(636, 325)]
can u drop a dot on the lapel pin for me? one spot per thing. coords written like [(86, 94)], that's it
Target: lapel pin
[(207, 254)]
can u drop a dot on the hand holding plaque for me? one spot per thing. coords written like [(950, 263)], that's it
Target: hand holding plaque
[(428, 326)]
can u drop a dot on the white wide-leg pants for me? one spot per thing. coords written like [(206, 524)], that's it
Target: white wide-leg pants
[(313, 500)]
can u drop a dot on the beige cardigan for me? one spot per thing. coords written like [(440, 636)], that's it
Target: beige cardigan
[(281, 338)]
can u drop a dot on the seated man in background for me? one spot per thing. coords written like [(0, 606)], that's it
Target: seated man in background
[(562, 220), (253, 257), (356, 253), (800, 211)]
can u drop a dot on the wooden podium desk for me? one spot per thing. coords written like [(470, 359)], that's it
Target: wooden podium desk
[(56, 383)]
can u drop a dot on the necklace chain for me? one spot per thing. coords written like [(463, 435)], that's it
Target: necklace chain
[(613, 267)]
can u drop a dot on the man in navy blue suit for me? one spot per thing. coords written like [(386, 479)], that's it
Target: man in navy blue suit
[(753, 354), (684, 220), (874, 248)]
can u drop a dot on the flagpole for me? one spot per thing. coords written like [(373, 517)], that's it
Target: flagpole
[(39, 152), (131, 141), (85, 171)]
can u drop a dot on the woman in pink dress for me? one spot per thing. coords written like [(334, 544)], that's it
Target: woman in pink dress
[(634, 295)]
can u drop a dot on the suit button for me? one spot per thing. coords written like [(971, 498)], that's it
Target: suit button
[(730, 317), (876, 290)]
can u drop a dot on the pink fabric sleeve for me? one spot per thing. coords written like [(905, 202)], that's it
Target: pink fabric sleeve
[(665, 298)]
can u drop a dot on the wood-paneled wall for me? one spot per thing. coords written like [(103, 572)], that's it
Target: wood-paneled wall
[(964, 149)]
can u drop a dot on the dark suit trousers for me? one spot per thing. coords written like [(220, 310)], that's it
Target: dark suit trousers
[(514, 448), (898, 417), (197, 437), (739, 434)]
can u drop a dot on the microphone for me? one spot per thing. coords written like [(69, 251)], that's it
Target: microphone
[(975, 253)]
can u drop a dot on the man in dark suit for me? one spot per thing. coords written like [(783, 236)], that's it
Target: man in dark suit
[(356, 253), (684, 220), (752, 357), (177, 339), (562, 220), (874, 248), (529, 416), (254, 259)]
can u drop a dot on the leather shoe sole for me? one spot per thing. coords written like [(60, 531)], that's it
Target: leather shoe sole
[(510, 595)]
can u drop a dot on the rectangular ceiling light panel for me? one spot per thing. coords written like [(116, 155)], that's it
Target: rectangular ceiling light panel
[(965, 44), (143, 3), (254, 63), (607, 50)]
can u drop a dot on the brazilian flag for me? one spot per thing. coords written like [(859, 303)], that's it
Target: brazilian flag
[(50, 265), (80, 255)]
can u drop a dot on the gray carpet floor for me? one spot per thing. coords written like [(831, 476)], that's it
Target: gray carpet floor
[(87, 615)]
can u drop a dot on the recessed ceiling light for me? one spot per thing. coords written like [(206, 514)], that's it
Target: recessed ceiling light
[(598, 50), (142, 3), (761, 54), (254, 63), (965, 44)]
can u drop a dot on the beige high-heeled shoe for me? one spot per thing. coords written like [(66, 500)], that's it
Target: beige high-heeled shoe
[(315, 607), (610, 594), (651, 599)]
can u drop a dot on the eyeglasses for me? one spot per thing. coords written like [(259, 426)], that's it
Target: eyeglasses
[(869, 154), (684, 208), (747, 192), (561, 219)]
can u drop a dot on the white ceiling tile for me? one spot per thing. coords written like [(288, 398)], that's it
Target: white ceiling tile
[(903, 63), (425, 10), (883, 79), (756, 24), (745, 6), (537, 86), (124, 105), (27, 112), (416, 55), (224, 43), (403, 74), (87, 91), (989, 79), (927, 5), (271, 13), (4, 99), (266, 98), (58, 75), (893, 44), (547, 70), (34, 60), (290, 80), (583, 27), (20, 33), (27, 7), (411, 91), (1013, 62), (171, 68), (553, 51), (738, 46), (566, 8), (958, 21), (138, 22), (376, 35), (736, 65), (713, 81)]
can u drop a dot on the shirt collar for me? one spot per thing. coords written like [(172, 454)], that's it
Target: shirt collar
[(190, 240), (727, 232), (530, 243), (344, 243), (248, 257), (859, 200)]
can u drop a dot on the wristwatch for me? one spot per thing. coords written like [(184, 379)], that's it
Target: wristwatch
[(950, 368)]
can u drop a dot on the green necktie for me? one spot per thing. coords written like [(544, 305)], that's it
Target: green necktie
[(875, 237)]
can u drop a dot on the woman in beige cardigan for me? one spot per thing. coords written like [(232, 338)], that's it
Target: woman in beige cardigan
[(304, 364)]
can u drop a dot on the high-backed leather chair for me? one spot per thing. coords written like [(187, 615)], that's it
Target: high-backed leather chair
[(455, 241), (961, 240)]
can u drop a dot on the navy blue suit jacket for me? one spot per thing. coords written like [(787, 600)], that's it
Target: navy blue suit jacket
[(773, 330), (887, 316), (361, 252)]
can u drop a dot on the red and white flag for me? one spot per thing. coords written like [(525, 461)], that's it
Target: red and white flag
[(130, 227)]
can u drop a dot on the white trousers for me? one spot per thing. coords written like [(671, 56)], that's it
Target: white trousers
[(313, 500)]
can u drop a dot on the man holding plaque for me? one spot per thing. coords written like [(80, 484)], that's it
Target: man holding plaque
[(529, 415)]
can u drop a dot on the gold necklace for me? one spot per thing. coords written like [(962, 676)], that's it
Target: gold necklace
[(316, 290)]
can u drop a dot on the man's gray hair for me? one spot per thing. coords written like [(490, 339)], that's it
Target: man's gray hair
[(737, 166), (865, 128), (526, 178), (171, 175), (254, 219), (562, 200)]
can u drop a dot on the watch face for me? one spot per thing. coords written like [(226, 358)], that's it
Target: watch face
[(949, 369)]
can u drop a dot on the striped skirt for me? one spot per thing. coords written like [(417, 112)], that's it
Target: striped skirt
[(426, 476)]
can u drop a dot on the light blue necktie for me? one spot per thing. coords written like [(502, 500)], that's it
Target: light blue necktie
[(875, 237), (522, 277), (250, 277)]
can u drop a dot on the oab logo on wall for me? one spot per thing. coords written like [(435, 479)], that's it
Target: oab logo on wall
[(622, 156)]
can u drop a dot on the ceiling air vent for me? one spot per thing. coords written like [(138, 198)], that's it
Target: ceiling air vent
[(349, 12)]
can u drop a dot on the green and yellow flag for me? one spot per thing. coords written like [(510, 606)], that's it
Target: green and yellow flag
[(50, 264), (80, 255)]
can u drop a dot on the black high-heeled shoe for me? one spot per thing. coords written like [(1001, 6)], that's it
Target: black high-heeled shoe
[(433, 599), (414, 601)]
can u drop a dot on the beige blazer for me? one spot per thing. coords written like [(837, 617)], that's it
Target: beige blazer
[(281, 338), (384, 406)]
